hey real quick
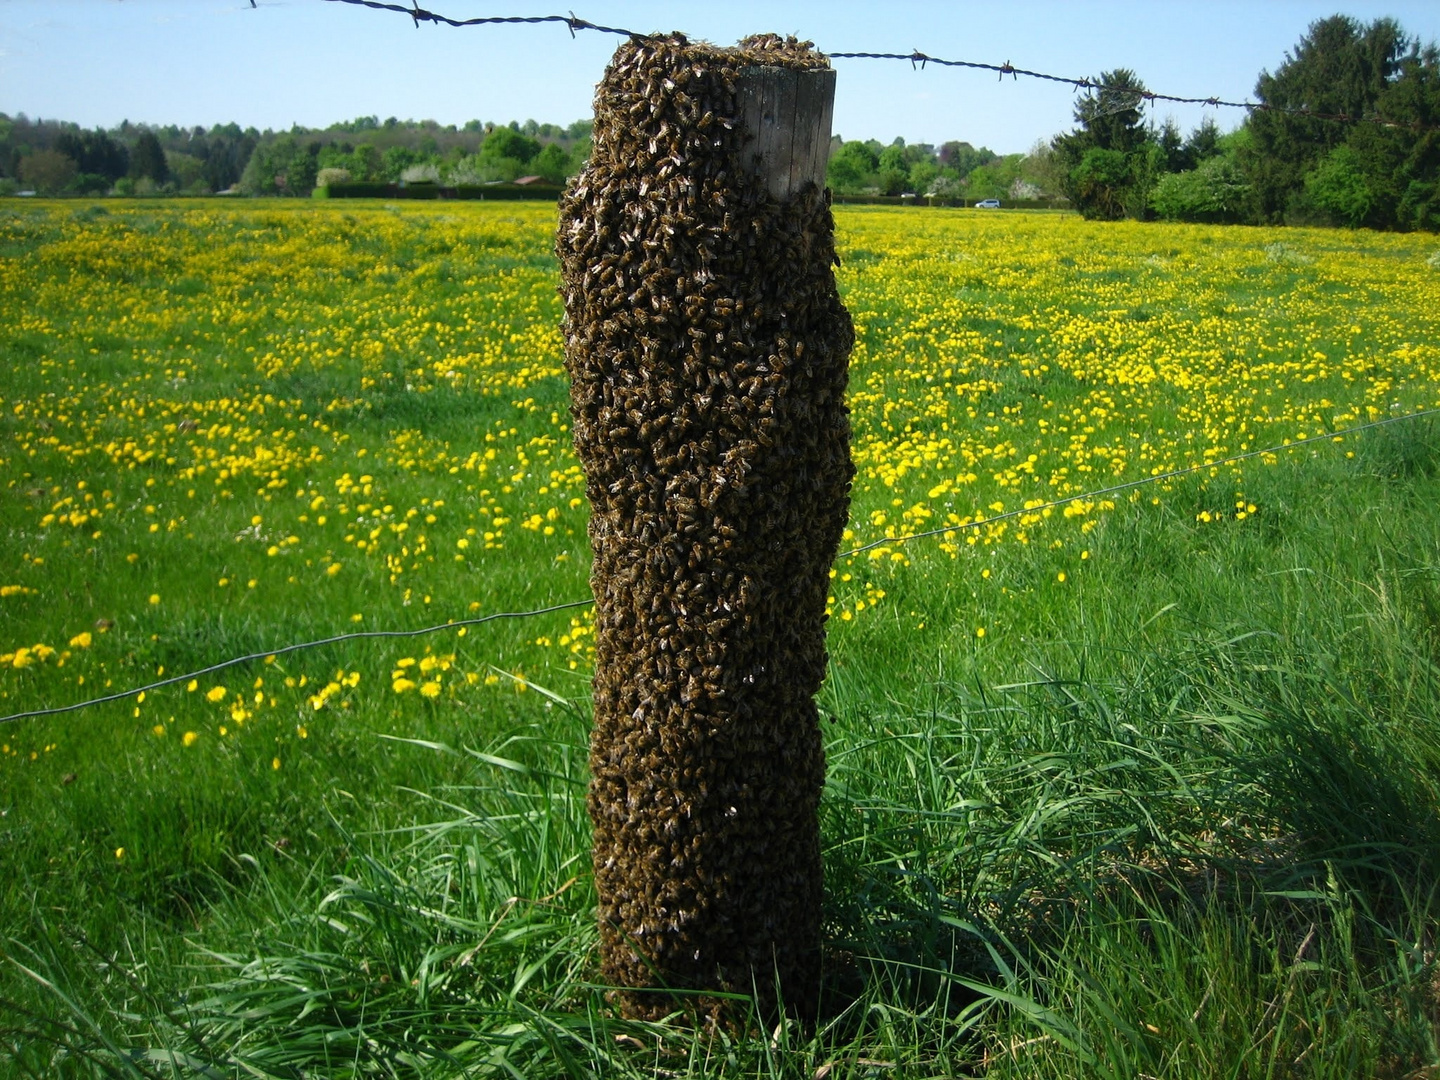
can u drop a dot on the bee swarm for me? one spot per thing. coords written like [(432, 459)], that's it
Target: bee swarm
[(708, 354)]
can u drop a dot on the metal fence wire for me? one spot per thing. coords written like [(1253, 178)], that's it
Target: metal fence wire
[(943, 531), (917, 60)]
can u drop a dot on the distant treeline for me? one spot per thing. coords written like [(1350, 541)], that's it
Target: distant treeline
[(952, 170), (1278, 168), (56, 158), (1382, 172), (1274, 169)]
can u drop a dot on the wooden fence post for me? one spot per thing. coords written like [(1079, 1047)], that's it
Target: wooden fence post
[(708, 352)]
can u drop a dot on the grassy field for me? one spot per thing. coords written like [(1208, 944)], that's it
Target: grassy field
[(1148, 784)]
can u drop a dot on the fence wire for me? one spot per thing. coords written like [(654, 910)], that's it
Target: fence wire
[(1130, 485), (947, 530), (270, 654), (918, 60)]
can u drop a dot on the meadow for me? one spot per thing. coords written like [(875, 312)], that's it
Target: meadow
[(1141, 784)]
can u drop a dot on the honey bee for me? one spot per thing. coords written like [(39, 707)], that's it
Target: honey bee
[(717, 466)]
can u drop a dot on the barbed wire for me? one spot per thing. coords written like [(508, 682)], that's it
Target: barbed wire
[(919, 60), (1128, 485), (271, 653), (1100, 493), (419, 15)]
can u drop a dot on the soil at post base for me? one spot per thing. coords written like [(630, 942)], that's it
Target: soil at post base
[(708, 353)]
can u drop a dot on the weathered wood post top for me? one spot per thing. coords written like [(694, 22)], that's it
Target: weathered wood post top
[(787, 112)]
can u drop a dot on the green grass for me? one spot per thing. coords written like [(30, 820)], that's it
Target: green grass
[(1177, 815)]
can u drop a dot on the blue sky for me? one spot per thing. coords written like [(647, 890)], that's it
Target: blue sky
[(313, 62)]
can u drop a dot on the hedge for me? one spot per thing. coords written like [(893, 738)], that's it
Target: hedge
[(354, 190)]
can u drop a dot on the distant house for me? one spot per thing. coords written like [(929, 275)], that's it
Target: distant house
[(530, 180)]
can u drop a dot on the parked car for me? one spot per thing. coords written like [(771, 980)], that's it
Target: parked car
[(988, 204)]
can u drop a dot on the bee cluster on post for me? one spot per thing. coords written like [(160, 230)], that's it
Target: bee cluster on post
[(708, 354)]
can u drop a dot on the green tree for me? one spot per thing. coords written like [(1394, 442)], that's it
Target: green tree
[(47, 171), (1175, 155), (367, 163), (147, 159), (1216, 191), (1104, 166), (852, 167), (1041, 167), (962, 157), (894, 173), (1339, 67), (301, 170), (282, 166), (397, 159), (1112, 114), (1204, 141), (95, 152), (227, 152), (893, 157), (1099, 183), (1338, 188), (505, 142), (552, 163), (922, 175), (1401, 159), (983, 183), (187, 171)]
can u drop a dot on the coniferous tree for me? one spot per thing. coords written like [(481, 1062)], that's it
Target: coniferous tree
[(1104, 164), (147, 159), (1341, 68), (95, 153)]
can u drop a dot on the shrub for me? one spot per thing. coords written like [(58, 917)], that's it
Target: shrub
[(1338, 188), (1215, 192), (47, 171), (426, 173)]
